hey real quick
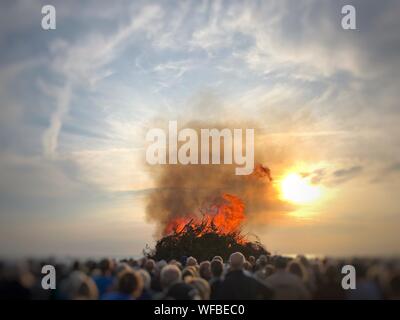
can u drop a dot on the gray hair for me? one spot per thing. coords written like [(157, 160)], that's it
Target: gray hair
[(236, 260), (146, 278), (170, 275)]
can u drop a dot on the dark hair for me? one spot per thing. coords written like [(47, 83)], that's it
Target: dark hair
[(280, 262), (216, 268), (205, 270), (105, 265), (188, 272), (129, 282), (295, 268)]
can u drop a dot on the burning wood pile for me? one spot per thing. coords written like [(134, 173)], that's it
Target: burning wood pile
[(216, 232)]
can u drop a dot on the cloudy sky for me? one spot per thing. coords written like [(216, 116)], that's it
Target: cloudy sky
[(75, 104)]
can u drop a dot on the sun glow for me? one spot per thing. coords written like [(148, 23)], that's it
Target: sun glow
[(298, 189)]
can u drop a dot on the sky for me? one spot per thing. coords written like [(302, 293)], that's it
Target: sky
[(76, 102)]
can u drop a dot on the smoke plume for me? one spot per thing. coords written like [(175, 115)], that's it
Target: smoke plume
[(183, 191)]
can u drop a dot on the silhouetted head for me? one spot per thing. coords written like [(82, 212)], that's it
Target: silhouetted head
[(202, 286), (191, 261), (280, 263), (170, 275), (236, 261), (218, 258), (130, 283), (105, 266), (150, 265), (217, 268), (205, 270), (295, 268)]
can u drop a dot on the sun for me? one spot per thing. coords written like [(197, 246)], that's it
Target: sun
[(298, 189)]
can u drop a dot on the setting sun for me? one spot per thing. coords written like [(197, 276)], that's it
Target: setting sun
[(298, 189)]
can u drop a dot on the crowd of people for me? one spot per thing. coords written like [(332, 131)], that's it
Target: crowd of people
[(264, 277)]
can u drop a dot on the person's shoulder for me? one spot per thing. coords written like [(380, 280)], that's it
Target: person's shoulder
[(272, 278), (295, 279)]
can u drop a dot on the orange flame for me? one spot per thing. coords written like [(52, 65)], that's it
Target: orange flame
[(225, 214)]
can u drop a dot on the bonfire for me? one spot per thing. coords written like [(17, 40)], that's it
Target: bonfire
[(216, 231)]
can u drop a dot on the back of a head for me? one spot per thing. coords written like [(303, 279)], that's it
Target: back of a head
[(295, 268), (170, 275), (122, 267), (145, 277), (159, 266), (191, 261), (150, 265), (79, 286), (105, 265), (303, 260), (218, 258), (331, 273), (202, 287), (217, 268), (236, 261), (183, 291), (280, 263), (188, 272), (130, 283), (262, 261), (205, 270)]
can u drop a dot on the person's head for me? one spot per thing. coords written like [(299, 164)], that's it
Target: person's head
[(202, 287), (145, 278), (296, 268), (216, 268), (236, 261), (205, 270), (191, 261), (170, 275), (182, 291), (105, 266), (122, 267), (218, 258), (78, 286), (159, 266), (304, 261), (262, 261), (177, 263), (188, 273), (133, 263), (130, 283), (280, 263), (331, 273), (252, 260), (150, 265)]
